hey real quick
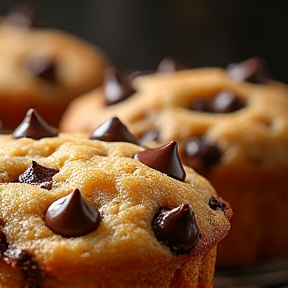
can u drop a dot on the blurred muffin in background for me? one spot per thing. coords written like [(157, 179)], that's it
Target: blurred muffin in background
[(231, 125), (43, 68)]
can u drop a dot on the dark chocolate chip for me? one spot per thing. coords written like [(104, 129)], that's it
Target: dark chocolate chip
[(148, 137), (23, 16), (226, 102), (117, 86), (219, 203), (3, 243), (38, 174), (33, 126), (72, 215), (42, 66), (253, 70), (33, 276), (164, 159), (170, 65), (202, 105), (176, 228), (201, 154), (215, 204), (113, 130)]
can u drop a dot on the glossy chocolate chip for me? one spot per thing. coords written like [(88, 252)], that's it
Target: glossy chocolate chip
[(164, 159), (218, 203), (117, 86), (253, 70), (3, 243), (176, 228), (113, 130), (42, 66), (170, 65), (22, 16), (72, 215), (149, 136), (38, 174), (227, 102), (201, 153), (33, 126)]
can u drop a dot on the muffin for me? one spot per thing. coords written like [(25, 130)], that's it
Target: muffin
[(98, 210), (231, 125), (45, 69)]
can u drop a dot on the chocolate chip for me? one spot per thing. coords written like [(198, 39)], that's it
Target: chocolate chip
[(3, 243), (31, 272), (176, 228), (23, 16), (37, 174), (201, 154), (215, 204), (223, 102), (72, 215), (164, 159), (42, 66), (117, 86), (33, 126), (202, 105), (253, 70), (226, 102), (219, 203), (148, 137), (170, 65), (113, 130)]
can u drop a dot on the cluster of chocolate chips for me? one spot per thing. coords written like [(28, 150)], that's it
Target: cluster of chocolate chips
[(74, 216)]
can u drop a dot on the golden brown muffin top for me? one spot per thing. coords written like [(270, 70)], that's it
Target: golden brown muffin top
[(126, 187), (246, 120)]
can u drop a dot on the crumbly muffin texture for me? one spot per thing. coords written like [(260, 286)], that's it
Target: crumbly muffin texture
[(124, 203), (45, 69), (231, 125)]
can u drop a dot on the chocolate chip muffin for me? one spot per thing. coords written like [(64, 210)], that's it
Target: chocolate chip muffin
[(98, 210), (231, 125), (45, 69)]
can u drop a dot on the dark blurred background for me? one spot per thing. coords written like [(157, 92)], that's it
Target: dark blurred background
[(138, 34)]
